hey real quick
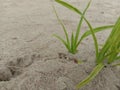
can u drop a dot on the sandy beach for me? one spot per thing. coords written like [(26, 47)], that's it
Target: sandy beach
[(30, 55)]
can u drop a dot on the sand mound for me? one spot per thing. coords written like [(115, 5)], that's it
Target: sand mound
[(54, 74)]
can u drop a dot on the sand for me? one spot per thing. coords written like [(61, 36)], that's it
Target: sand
[(29, 54)]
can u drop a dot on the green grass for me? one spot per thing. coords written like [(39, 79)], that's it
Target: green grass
[(109, 53), (73, 41), (111, 48)]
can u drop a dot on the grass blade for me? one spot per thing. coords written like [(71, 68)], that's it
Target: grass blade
[(68, 6), (94, 37), (62, 40), (92, 75), (117, 58), (80, 23), (65, 31), (118, 64), (97, 29), (72, 44)]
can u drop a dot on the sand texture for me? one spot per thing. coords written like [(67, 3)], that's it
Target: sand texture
[(32, 59)]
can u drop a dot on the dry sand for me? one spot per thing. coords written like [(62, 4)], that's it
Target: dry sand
[(29, 55)]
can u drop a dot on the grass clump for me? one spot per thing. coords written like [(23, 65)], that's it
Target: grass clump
[(72, 42), (109, 53)]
